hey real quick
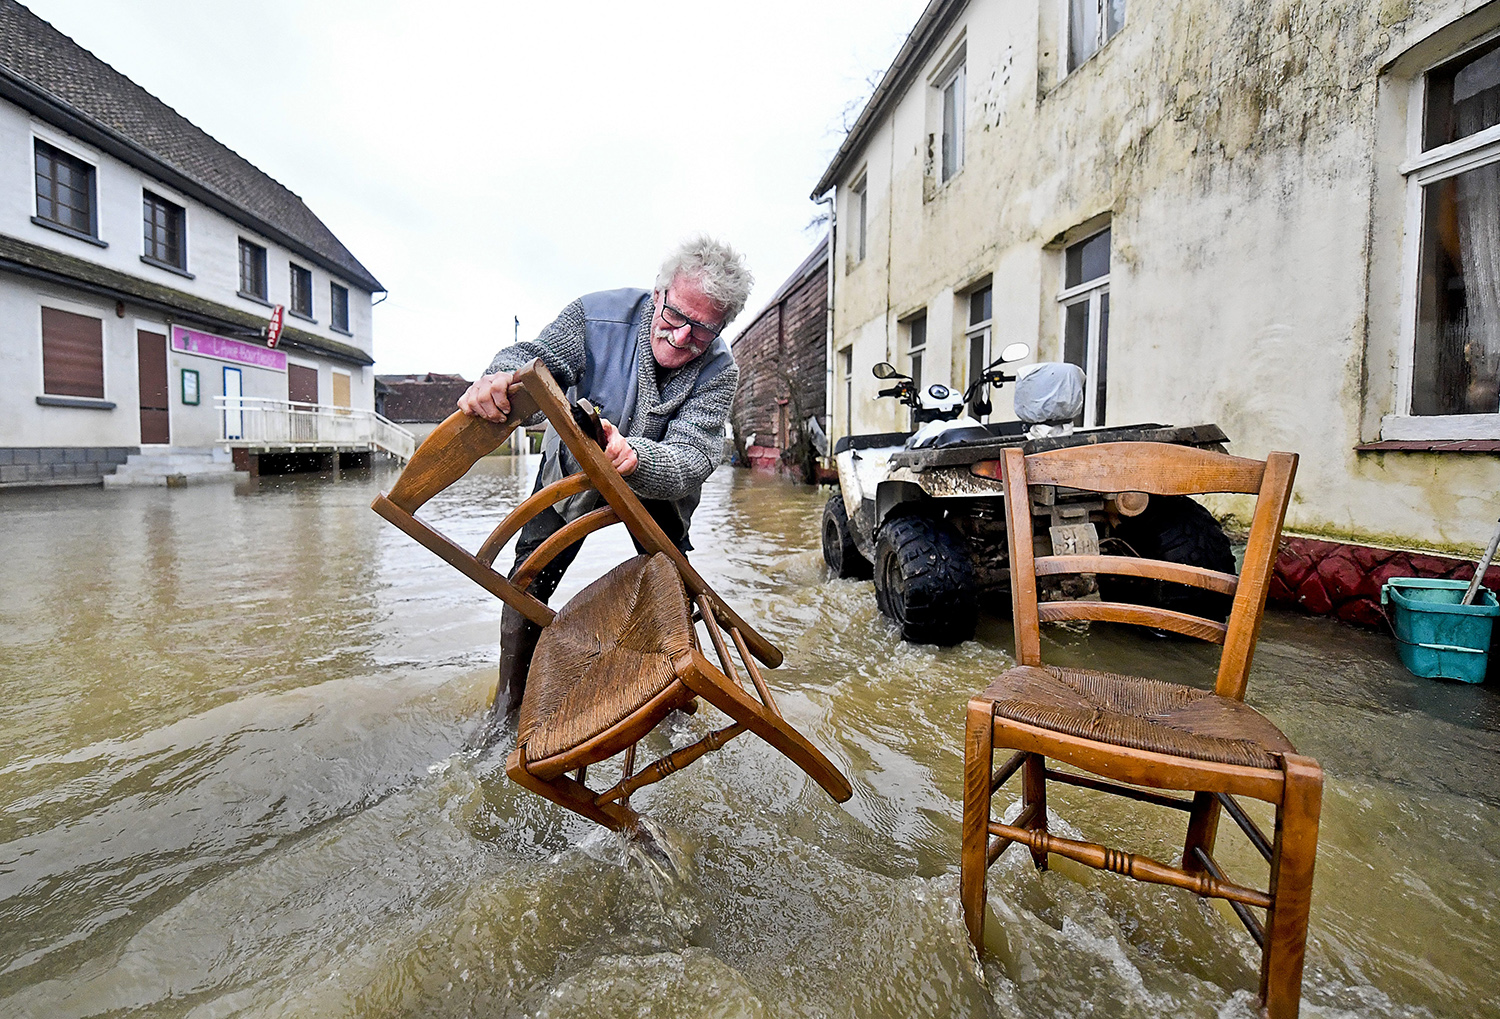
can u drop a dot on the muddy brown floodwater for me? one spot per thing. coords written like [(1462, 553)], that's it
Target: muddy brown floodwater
[(243, 774)]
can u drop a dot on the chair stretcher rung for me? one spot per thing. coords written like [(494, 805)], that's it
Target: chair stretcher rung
[(664, 766), (1250, 828), (1002, 844), (1144, 795), (1142, 868), (1007, 769), (1252, 924)]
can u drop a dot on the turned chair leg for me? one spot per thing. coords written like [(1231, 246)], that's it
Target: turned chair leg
[(1034, 800), (1292, 860), (979, 759), (1203, 828)]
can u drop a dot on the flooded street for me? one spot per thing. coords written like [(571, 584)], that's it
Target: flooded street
[(244, 774)]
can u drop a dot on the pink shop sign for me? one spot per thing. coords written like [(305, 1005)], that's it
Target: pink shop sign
[(190, 341)]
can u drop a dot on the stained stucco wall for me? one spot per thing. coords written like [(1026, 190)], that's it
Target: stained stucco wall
[(1246, 158)]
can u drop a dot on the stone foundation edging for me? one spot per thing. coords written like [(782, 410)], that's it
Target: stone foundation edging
[(43, 466), (1344, 581)]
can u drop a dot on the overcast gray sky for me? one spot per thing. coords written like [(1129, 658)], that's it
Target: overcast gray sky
[(486, 160)]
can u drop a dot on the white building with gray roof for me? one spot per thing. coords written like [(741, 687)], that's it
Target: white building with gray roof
[(140, 262)]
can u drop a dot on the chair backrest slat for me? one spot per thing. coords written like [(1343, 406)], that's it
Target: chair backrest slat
[(1159, 469), (1153, 467), (1136, 615), (451, 449), (1154, 569), (567, 534), (518, 518)]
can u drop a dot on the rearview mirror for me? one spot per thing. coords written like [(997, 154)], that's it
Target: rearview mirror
[(1014, 352), (886, 370)]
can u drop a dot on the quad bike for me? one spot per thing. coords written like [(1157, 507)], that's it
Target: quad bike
[(923, 512)]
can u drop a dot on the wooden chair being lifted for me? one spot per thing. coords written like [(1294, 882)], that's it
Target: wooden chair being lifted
[(624, 652), (1145, 733)]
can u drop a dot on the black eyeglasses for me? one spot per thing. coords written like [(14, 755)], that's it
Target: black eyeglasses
[(674, 319)]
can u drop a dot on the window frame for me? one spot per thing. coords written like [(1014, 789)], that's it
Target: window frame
[(306, 274), (956, 76), (1421, 170), (262, 294), (89, 167), (980, 330), (1091, 292), (1101, 37), (859, 198), (845, 357), (334, 289), (180, 265), (914, 350)]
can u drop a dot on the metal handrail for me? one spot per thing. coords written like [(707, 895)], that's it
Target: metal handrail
[(258, 420)]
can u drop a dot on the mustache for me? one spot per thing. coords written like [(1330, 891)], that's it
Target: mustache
[(667, 334)]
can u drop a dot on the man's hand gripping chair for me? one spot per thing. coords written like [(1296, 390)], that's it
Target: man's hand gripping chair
[(1134, 736), (624, 652)]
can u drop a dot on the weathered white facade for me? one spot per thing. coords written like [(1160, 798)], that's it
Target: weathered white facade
[(1261, 170), (127, 148)]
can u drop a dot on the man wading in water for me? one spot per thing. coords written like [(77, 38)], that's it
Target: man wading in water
[(653, 361)]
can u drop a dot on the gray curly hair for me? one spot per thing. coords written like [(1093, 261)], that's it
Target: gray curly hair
[(717, 268)]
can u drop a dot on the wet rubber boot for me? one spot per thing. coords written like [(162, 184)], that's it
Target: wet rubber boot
[(518, 637)]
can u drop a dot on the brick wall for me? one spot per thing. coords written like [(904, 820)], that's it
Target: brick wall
[(782, 358)]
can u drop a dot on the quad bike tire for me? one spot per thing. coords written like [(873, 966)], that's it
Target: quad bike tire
[(839, 551), (924, 580), (1178, 530)]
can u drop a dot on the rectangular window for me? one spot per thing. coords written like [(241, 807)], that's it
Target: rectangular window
[(72, 354), (916, 347), (858, 211), (340, 380), (301, 290), (1463, 96), (1091, 24), (1455, 359), (163, 231), (977, 333), (301, 384), (64, 190), (338, 307), (1085, 325), (846, 366), (252, 269), (953, 124)]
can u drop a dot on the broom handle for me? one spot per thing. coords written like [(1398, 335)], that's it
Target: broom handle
[(1484, 564)]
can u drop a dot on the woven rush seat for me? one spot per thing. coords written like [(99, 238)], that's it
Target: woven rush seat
[(1145, 714), (607, 654)]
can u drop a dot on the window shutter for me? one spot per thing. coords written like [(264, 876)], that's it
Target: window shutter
[(72, 354)]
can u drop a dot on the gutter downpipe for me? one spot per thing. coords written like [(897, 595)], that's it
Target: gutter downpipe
[(828, 370)]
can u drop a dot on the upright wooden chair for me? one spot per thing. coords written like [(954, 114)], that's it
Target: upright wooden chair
[(1145, 733), (624, 651)]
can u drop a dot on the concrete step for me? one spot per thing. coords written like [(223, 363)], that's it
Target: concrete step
[(173, 465)]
